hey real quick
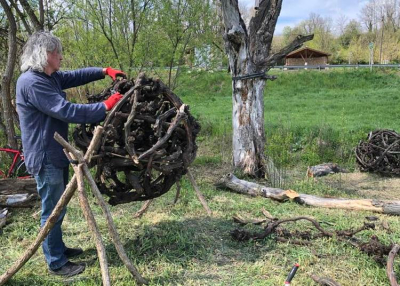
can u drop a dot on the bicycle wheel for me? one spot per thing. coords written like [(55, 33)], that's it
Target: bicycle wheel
[(20, 170)]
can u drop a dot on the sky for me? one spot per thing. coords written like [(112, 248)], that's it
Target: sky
[(293, 12)]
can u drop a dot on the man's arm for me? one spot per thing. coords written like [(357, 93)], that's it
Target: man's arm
[(79, 77), (45, 99)]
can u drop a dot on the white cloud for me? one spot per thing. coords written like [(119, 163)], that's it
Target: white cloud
[(293, 12)]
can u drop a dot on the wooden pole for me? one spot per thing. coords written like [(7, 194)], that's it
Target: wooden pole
[(178, 191), (143, 209), (112, 229), (64, 200), (111, 226), (198, 193), (87, 212)]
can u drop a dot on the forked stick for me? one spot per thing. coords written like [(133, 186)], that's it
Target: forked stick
[(111, 226), (64, 200)]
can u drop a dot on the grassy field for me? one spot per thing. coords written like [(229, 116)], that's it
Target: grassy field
[(311, 117)]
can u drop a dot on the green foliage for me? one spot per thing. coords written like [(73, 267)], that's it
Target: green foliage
[(137, 35), (351, 31)]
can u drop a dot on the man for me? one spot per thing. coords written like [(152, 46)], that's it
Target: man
[(43, 110)]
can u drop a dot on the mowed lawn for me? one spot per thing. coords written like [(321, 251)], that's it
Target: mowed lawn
[(179, 245)]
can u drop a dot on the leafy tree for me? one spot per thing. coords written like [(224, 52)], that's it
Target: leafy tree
[(351, 31)]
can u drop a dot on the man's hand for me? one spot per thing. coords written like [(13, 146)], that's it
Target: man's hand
[(112, 100), (114, 73)]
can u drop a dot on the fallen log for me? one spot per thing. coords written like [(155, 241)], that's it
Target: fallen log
[(18, 193), (11, 186), (18, 200), (324, 169), (231, 182)]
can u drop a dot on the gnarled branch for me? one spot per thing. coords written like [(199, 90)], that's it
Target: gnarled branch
[(297, 43)]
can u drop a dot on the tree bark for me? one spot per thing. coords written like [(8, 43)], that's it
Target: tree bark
[(249, 59), (17, 186), (244, 187), (23, 20), (8, 74)]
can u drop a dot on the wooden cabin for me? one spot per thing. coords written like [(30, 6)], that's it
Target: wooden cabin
[(306, 56)]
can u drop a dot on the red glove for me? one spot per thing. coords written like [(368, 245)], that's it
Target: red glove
[(114, 73), (112, 100)]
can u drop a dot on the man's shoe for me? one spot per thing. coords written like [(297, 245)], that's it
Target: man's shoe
[(72, 252), (69, 269)]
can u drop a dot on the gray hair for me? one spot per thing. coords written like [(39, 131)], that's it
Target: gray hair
[(36, 48)]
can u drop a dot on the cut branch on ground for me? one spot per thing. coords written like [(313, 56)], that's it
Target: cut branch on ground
[(232, 183), (274, 229)]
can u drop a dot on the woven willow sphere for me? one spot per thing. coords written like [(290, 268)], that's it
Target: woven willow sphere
[(148, 143)]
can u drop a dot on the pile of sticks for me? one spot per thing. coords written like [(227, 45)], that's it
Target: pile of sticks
[(273, 227), (149, 141), (380, 153)]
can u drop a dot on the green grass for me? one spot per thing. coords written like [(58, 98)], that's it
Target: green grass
[(324, 114), (310, 117)]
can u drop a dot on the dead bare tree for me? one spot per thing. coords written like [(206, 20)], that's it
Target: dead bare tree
[(5, 90), (249, 60)]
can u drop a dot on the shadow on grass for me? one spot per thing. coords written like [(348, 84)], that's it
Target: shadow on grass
[(168, 251), (173, 246)]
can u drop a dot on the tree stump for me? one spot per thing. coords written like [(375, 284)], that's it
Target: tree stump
[(149, 141)]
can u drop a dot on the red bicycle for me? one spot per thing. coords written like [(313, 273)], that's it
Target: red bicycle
[(12, 163)]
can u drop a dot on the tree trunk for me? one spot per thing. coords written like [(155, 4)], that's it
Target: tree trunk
[(8, 73), (248, 126), (249, 56)]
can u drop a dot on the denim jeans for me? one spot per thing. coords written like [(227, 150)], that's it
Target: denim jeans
[(51, 182)]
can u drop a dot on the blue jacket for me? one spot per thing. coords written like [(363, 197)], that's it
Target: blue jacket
[(43, 109)]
